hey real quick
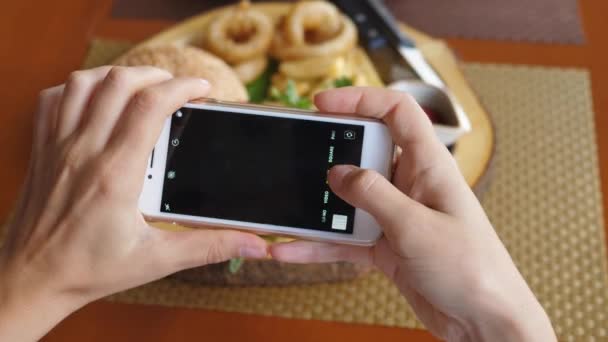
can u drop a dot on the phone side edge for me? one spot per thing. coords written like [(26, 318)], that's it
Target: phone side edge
[(151, 195), (377, 155)]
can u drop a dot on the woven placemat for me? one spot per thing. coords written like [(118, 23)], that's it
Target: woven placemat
[(544, 201), (547, 21)]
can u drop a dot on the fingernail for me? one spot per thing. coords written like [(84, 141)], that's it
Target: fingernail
[(204, 82), (253, 252), (338, 172)]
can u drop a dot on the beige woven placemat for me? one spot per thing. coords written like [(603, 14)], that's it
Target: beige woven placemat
[(544, 200)]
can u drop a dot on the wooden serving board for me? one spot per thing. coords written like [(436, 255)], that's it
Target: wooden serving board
[(473, 153)]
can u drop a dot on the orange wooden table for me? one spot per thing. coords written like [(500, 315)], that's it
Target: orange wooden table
[(42, 41)]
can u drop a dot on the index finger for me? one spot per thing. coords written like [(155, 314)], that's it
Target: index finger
[(408, 123), (145, 115)]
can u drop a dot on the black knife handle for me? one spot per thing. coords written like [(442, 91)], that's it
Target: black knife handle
[(374, 22), (381, 39)]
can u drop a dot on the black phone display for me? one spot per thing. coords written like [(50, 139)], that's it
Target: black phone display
[(259, 169)]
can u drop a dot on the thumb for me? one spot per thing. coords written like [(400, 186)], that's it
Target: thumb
[(199, 247), (368, 190)]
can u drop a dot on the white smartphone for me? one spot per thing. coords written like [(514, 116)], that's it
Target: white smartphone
[(262, 169)]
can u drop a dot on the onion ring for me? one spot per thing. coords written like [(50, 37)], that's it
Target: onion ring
[(344, 40), (312, 20), (240, 34), (250, 70)]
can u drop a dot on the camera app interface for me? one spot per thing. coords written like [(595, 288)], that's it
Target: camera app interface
[(259, 169)]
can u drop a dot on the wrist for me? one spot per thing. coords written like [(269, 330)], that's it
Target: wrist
[(526, 325), (29, 311), (516, 317)]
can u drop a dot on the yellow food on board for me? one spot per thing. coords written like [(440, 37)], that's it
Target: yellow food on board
[(309, 68), (350, 66), (277, 239), (189, 61), (268, 58), (339, 69), (303, 87), (240, 34), (250, 70), (325, 84)]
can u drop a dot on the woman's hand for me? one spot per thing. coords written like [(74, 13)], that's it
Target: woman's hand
[(77, 234), (438, 245)]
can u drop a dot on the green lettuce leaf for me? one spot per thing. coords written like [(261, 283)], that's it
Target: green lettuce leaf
[(235, 265), (258, 89)]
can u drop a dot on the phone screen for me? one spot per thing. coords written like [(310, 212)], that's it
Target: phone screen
[(259, 169)]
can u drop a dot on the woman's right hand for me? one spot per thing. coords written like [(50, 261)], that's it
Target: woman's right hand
[(438, 246)]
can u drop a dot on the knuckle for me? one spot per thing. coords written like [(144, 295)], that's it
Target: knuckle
[(146, 100), (161, 71), (118, 77), (77, 79), (216, 252), (49, 95), (45, 94), (363, 180), (407, 99)]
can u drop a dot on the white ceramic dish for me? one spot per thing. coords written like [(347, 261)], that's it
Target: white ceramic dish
[(454, 121)]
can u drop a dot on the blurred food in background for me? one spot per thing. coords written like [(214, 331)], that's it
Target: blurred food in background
[(189, 61), (279, 61), (287, 62)]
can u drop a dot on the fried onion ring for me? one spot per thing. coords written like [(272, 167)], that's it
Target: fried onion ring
[(250, 70), (240, 34), (312, 21), (343, 40)]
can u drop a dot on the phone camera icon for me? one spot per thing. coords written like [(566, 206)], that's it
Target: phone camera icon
[(350, 135), (171, 174), (179, 114), (175, 142)]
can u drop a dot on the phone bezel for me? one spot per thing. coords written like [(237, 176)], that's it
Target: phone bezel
[(377, 154)]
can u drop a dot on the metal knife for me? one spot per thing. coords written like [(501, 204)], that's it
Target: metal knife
[(394, 53)]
